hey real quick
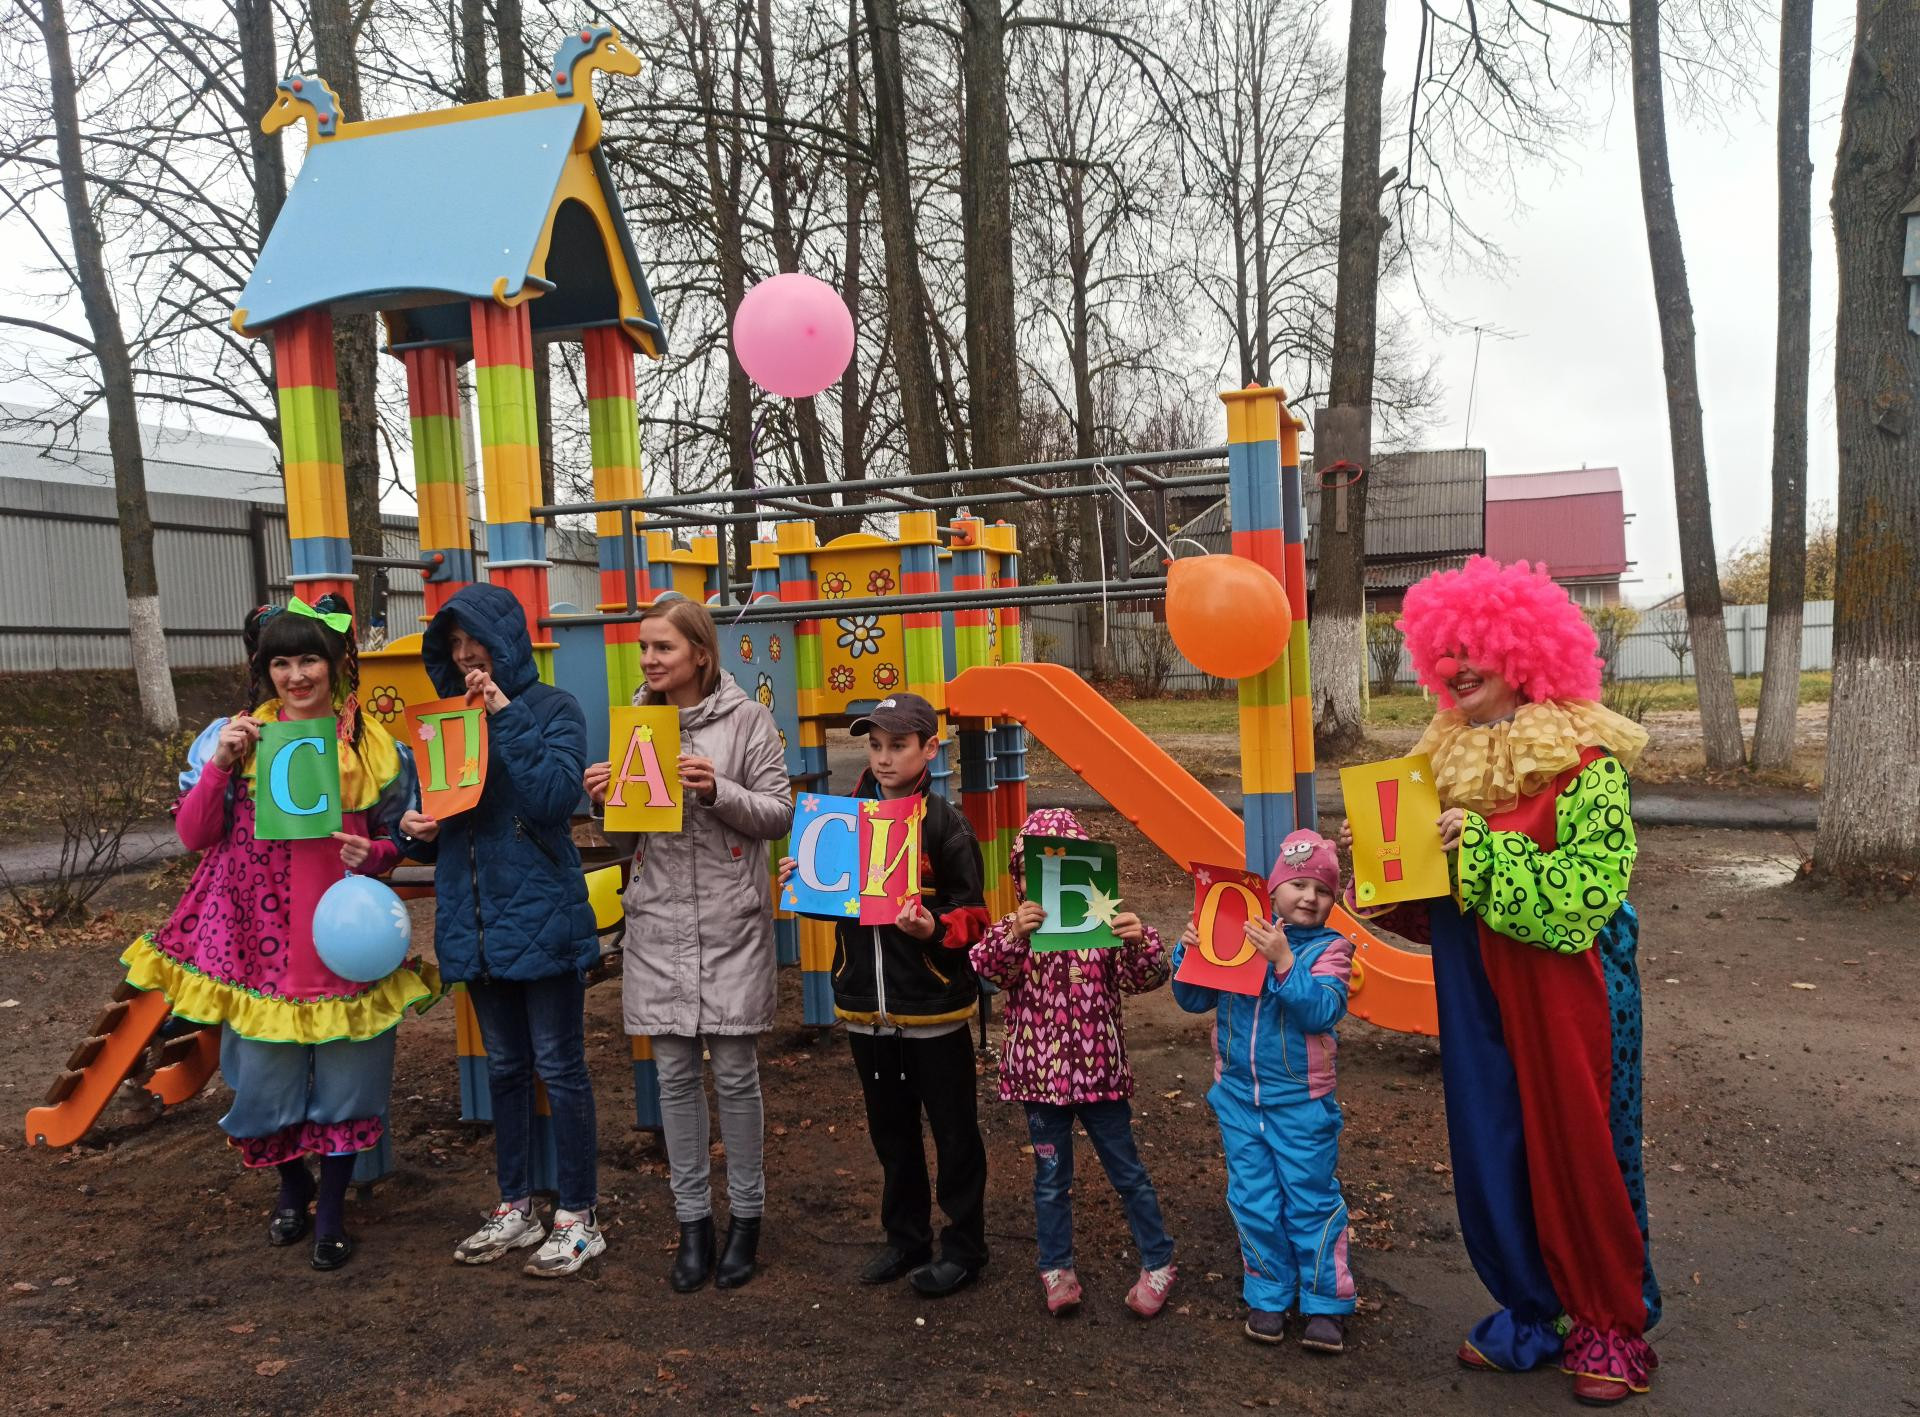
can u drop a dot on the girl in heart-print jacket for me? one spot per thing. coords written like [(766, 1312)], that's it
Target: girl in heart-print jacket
[(1065, 1043)]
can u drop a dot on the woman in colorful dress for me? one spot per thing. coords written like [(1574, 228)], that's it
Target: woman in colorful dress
[(1534, 974), (308, 1054)]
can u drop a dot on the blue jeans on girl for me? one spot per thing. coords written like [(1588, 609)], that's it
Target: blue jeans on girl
[(539, 1026), (1110, 1128)]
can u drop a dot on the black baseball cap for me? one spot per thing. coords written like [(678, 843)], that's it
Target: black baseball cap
[(899, 713)]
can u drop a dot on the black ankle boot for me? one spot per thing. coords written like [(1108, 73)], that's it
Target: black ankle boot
[(737, 1258), (693, 1266)]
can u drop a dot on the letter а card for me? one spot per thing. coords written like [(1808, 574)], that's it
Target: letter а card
[(449, 742), (1078, 884), (889, 864), (643, 795), (826, 857), (1224, 899), (1395, 810)]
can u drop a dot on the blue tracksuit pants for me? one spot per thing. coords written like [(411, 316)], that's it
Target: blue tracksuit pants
[(1286, 1202)]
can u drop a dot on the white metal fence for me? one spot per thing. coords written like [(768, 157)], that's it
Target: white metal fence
[(63, 604), (1138, 647)]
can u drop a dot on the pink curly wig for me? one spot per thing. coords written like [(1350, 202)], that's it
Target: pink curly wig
[(1510, 619)]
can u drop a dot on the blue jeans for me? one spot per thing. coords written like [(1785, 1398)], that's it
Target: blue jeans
[(1110, 1128), (529, 1027)]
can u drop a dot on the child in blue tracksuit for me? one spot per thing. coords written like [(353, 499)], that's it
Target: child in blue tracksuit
[(1273, 1095)]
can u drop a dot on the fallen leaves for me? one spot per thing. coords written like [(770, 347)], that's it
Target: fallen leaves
[(271, 1367), (805, 1399), (1802, 984)]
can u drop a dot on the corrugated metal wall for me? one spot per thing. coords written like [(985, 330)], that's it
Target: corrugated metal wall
[(63, 604)]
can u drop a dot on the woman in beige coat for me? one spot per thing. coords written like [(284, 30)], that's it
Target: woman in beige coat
[(699, 955)]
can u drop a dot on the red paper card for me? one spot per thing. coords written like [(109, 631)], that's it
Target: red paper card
[(449, 742), (1224, 899), (889, 868)]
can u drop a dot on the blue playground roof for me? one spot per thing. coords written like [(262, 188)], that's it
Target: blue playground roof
[(434, 215)]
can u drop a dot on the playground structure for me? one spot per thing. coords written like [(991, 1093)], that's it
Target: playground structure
[(820, 634)]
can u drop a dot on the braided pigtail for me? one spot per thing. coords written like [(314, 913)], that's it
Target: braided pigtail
[(347, 715)]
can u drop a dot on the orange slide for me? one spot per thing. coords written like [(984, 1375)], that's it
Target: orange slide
[(118, 1045), (1391, 988)]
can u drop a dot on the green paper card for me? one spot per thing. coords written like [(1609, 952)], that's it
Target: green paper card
[(296, 781), (1078, 884)]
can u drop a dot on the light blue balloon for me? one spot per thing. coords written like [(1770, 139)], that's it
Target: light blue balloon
[(361, 929)]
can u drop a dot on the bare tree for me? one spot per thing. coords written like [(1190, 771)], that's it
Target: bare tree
[(986, 200), (108, 347), (1699, 568), (1870, 821), (1344, 431), (1774, 731)]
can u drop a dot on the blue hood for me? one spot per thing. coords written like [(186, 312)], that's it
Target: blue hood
[(493, 617)]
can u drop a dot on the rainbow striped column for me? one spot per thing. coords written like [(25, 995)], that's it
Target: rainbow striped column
[(1009, 734), (476, 1095), (309, 404), (1306, 796), (794, 545), (971, 647), (765, 561), (510, 459), (439, 470), (924, 652), (1267, 778), (613, 422)]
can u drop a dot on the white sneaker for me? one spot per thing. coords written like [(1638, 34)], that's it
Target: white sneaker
[(574, 1241), (508, 1228)]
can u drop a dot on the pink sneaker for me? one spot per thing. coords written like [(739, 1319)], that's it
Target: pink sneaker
[(1063, 1290), (1149, 1293)]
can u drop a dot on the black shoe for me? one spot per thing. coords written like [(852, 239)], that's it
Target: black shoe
[(331, 1251), (1324, 1334), (288, 1227), (939, 1278), (737, 1256), (693, 1265), (891, 1264)]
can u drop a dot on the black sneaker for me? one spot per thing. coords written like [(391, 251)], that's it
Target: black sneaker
[(1324, 1333), (891, 1264), (1266, 1326), (939, 1278)]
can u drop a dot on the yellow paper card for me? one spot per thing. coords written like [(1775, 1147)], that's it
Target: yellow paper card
[(1395, 811), (644, 792)]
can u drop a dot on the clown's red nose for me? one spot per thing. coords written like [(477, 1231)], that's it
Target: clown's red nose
[(1446, 666)]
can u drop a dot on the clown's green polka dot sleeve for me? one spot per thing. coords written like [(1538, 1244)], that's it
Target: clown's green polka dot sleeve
[(1560, 899)]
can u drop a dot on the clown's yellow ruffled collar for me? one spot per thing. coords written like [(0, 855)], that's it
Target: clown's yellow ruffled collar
[(1489, 767)]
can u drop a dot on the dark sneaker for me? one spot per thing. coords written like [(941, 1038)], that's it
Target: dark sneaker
[(1266, 1326), (1324, 1333), (891, 1264), (939, 1278)]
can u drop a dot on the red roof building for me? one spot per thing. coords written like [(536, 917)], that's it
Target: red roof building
[(1573, 522)]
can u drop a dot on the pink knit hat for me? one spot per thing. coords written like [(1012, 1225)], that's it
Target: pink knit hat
[(1307, 856), (1045, 821)]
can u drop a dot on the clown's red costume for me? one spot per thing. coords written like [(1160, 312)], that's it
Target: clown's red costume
[(1534, 972)]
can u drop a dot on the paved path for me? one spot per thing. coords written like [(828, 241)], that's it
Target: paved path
[(150, 843)]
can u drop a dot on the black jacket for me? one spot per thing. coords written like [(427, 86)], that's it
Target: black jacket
[(884, 976)]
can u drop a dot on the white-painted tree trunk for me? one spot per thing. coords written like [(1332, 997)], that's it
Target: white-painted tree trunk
[(1870, 816), (1339, 643), (158, 707)]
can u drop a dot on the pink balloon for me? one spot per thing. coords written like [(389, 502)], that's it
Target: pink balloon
[(793, 335)]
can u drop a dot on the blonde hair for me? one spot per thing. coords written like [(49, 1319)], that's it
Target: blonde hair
[(695, 624)]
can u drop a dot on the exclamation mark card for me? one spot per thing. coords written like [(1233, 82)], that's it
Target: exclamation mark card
[(1395, 812)]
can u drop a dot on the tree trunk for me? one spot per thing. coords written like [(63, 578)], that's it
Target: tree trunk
[(854, 414), (1870, 820), (158, 708), (1344, 431), (1699, 566), (335, 40), (513, 48), (907, 315), (986, 211), (1773, 734), (473, 51), (259, 73)]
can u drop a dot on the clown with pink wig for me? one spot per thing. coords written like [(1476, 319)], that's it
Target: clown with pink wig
[(1534, 975)]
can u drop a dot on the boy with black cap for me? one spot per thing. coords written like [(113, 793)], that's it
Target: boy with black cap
[(907, 993)]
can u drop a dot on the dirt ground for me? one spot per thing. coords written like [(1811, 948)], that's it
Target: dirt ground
[(1783, 1157)]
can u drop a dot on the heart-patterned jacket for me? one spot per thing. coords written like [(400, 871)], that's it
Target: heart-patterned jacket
[(1065, 1042)]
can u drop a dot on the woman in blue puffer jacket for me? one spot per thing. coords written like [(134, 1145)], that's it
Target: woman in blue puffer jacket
[(512, 921)]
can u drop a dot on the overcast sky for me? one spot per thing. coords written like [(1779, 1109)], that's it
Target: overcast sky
[(1581, 382)]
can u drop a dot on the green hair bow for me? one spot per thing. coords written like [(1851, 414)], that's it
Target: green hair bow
[(339, 621)]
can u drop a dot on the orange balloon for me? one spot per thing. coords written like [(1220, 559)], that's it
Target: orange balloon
[(1228, 615)]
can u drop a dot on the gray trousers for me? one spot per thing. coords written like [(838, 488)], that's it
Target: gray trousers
[(683, 1117)]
